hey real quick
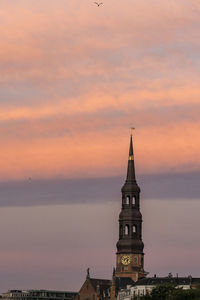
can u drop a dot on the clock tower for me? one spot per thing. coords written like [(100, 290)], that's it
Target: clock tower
[(130, 256)]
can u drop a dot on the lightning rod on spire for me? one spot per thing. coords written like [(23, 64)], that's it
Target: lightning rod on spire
[(132, 128)]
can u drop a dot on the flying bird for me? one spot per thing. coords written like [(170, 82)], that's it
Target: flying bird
[(98, 3)]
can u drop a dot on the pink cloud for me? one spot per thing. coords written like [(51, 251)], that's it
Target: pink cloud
[(95, 72)]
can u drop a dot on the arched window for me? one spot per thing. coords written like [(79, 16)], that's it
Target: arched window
[(127, 200), (133, 200), (134, 228), (126, 231)]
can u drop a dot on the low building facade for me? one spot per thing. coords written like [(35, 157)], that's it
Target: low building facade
[(145, 286), (38, 295)]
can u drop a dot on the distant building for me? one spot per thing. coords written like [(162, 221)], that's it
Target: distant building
[(102, 289), (38, 295), (118, 284), (144, 286), (94, 289)]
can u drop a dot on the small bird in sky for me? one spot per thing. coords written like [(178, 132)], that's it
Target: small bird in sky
[(98, 3)]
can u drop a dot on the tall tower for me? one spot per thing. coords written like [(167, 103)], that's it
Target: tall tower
[(130, 256)]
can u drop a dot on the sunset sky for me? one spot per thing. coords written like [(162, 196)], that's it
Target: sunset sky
[(74, 78)]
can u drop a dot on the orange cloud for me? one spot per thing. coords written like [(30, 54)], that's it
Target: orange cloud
[(85, 154), (75, 77)]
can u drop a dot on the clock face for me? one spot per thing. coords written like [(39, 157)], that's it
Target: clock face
[(126, 259)]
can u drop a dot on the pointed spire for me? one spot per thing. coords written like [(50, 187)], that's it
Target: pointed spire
[(88, 273), (114, 277), (131, 148), (131, 165), (113, 272)]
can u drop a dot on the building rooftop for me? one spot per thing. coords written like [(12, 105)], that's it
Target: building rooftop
[(169, 279)]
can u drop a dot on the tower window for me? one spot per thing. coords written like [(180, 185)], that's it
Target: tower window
[(127, 200), (126, 231), (133, 200), (134, 229)]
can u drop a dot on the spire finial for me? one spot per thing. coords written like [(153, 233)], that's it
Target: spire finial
[(132, 128), (88, 273)]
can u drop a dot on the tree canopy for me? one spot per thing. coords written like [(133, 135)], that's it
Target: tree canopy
[(169, 291)]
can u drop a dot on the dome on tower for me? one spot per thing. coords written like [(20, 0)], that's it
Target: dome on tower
[(130, 246), (130, 214)]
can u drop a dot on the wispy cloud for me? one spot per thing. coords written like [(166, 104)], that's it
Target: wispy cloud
[(33, 192)]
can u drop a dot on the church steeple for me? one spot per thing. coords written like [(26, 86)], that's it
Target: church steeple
[(130, 183), (131, 166), (130, 256)]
